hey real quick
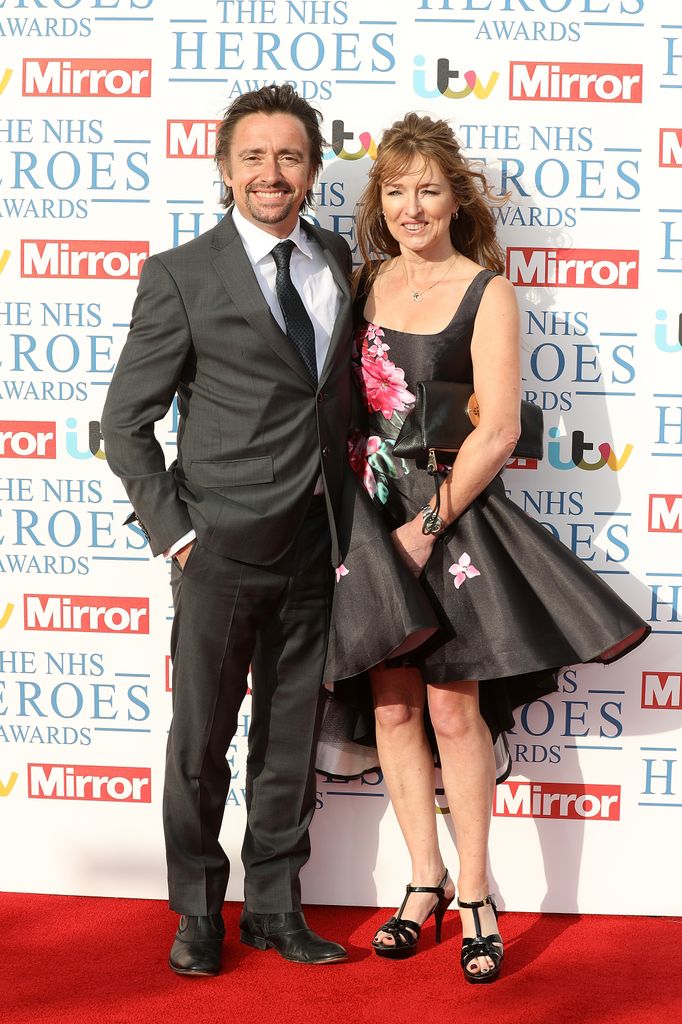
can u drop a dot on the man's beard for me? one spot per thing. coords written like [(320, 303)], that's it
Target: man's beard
[(275, 214)]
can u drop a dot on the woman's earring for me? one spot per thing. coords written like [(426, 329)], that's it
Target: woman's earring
[(455, 214)]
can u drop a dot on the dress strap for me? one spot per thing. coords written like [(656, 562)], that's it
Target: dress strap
[(474, 293)]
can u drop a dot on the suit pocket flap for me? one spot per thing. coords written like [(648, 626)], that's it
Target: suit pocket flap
[(233, 472)]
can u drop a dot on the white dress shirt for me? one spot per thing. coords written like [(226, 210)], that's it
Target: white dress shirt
[(313, 280)]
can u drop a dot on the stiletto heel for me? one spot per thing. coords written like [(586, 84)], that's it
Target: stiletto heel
[(406, 933), (439, 913), (481, 945)]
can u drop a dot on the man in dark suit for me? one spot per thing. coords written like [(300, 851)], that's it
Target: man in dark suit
[(250, 324)]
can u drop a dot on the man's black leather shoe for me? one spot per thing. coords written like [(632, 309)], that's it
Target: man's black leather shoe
[(290, 936), (198, 943)]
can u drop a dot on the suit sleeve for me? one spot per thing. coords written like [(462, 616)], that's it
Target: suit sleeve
[(345, 255), (140, 394)]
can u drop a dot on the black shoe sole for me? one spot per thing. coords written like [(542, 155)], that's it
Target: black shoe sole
[(482, 977), (188, 972), (257, 942), (395, 952)]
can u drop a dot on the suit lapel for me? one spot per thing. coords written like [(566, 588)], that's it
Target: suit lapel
[(236, 273)]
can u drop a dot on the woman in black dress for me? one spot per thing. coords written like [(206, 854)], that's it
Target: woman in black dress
[(510, 603)]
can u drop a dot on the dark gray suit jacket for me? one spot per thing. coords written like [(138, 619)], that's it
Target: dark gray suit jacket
[(253, 430)]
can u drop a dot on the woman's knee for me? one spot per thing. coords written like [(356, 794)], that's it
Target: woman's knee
[(391, 716), (399, 696), (454, 718)]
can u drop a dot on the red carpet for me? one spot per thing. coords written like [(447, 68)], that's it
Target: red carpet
[(103, 961)]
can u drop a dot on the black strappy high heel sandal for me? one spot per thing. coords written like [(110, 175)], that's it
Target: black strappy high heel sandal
[(406, 933), (481, 945)]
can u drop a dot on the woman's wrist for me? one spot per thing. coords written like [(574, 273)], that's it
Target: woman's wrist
[(432, 523), (418, 524)]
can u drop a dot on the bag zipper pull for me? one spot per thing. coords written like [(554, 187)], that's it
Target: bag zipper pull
[(432, 465)]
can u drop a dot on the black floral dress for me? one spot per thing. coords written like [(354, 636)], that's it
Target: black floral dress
[(500, 599)]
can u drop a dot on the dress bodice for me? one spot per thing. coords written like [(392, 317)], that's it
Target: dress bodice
[(445, 355), (389, 363)]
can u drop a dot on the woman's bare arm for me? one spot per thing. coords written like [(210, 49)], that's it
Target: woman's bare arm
[(497, 383)]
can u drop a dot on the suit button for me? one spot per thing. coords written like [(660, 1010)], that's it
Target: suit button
[(321, 397), (325, 452)]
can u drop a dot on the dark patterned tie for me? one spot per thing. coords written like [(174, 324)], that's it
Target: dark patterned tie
[(300, 330)]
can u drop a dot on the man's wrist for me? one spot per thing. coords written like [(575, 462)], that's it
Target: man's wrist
[(180, 544)]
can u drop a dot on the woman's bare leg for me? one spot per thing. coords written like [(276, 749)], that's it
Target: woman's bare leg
[(407, 763), (468, 767)]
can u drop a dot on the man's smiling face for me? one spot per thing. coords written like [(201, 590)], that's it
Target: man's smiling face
[(269, 170)]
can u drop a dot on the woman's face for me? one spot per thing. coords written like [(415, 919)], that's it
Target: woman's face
[(418, 206)]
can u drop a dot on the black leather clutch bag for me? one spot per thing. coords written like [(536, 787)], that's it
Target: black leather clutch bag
[(444, 415)]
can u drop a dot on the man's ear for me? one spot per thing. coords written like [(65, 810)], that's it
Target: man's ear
[(225, 173)]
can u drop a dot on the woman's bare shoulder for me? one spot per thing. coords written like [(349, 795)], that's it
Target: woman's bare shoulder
[(499, 292)]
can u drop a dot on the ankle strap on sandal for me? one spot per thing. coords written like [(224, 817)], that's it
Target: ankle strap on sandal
[(439, 890), (485, 902)]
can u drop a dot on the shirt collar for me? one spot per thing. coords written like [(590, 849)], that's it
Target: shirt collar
[(259, 243)]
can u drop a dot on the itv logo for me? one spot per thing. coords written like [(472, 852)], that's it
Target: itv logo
[(7, 787), (447, 80), (340, 136)]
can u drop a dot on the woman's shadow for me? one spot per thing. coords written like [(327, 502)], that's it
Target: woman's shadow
[(571, 366), (575, 367)]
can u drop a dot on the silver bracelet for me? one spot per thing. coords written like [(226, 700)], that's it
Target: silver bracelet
[(433, 523)]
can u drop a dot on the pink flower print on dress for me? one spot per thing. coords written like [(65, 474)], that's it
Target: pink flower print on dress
[(463, 570), (359, 450), (385, 387), (376, 347), (363, 338), (341, 571)]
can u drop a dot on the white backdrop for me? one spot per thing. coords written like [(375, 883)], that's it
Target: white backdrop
[(107, 110)]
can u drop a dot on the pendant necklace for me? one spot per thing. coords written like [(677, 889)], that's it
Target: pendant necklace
[(417, 296)]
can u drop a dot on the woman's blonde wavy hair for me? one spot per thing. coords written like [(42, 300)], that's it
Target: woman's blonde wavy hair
[(472, 232)]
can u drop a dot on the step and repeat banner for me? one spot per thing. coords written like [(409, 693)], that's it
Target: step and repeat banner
[(108, 111)]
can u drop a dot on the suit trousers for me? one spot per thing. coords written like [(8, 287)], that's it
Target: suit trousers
[(229, 615)]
